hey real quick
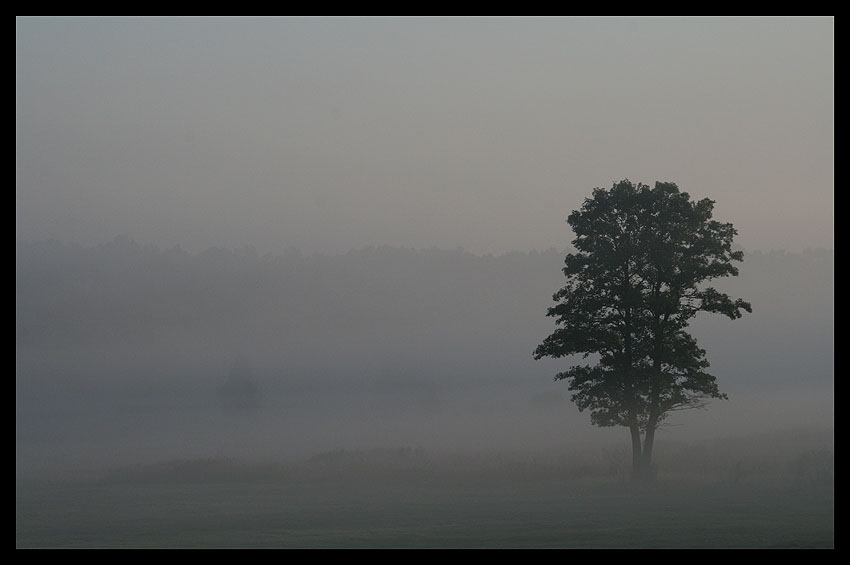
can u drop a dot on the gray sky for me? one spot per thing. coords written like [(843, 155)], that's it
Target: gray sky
[(328, 134)]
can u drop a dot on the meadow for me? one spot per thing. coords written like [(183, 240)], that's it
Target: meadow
[(402, 498)]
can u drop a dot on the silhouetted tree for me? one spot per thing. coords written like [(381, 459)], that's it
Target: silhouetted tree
[(632, 288)]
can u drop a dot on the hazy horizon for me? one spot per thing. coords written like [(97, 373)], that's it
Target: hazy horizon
[(382, 347)]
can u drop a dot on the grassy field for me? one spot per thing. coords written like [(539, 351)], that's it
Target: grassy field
[(332, 505)]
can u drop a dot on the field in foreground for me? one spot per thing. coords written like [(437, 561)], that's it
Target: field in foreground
[(333, 504)]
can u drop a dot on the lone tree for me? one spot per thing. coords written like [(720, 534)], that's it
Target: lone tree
[(635, 282)]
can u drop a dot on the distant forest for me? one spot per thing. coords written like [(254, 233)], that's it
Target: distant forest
[(402, 309)]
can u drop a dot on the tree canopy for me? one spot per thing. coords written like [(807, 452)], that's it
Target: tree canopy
[(633, 285)]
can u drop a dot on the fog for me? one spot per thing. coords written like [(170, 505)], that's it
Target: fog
[(128, 353), (293, 247)]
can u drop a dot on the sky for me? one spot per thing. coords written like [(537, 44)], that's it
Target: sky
[(328, 134)]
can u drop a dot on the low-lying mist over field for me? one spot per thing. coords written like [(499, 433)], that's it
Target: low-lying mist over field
[(131, 354)]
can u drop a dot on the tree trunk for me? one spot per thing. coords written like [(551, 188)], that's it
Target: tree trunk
[(647, 472), (637, 458)]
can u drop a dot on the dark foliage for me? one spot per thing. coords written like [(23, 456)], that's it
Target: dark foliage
[(635, 282)]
